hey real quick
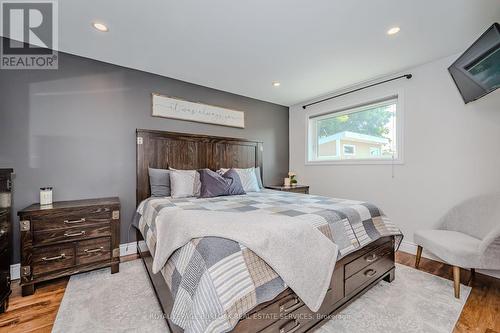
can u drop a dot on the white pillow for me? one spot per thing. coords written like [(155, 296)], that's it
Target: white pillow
[(248, 179), (184, 183)]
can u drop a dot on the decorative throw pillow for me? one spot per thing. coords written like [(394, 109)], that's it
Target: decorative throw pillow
[(214, 184), (248, 178), (159, 181), (184, 183)]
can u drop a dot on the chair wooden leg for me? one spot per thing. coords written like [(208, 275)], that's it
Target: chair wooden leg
[(419, 255), (472, 276), (456, 281)]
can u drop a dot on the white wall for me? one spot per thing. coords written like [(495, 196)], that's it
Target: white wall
[(451, 150)]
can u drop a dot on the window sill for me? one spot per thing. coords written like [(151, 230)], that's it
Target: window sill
[(357, 162)]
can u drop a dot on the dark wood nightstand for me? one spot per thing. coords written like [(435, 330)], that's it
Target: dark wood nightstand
[(68, 237), (292, 188)]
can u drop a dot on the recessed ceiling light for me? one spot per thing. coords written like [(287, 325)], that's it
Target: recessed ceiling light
[(393, 30), (100, 26), (276, 84)]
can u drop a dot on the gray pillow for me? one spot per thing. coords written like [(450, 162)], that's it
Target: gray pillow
[(214, 184), (159, 180)]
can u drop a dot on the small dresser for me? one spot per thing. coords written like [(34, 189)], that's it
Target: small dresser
[(290, 188), (5, 236), (68, 237)]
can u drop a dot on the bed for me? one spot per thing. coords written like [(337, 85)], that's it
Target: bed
[(363, 253)]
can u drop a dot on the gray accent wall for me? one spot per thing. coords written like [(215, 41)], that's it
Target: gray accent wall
[(74, 129)]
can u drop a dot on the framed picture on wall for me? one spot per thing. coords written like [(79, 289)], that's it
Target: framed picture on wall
[(175, 108)]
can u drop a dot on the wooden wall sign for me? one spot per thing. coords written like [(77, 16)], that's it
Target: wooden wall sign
[(174, 108)]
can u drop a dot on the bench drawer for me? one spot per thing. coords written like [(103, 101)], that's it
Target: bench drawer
[(297, 321), (368, 258), (369, 273)]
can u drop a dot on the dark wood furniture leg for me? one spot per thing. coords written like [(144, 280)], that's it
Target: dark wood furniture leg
[(391, 276), (456, 281), (28, 289), (419, 255), (472, 276), (4, 305), (115, 268)]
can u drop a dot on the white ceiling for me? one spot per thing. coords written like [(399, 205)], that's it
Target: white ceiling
[(311, 47)]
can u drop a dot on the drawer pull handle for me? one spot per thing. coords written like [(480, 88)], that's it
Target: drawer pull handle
[(370, 272), (2, 232), (99, 249), (371, 258), (74, 221), (61, 256), (293, 329), (75, 234), (287, 307)]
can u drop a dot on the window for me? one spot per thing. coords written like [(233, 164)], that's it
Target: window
[(350, 150), (374, 151), (363, 133)]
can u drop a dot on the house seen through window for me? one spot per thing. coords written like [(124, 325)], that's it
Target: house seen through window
[(368, 132)]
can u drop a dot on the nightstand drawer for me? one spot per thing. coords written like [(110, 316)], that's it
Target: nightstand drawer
[(53, 258), (93, 250), (299, 190), (75, 218), (71, 234)]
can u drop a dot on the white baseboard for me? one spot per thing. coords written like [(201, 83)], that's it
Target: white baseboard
[(125, 249), (128, 248), (15, 271), (411, 248)]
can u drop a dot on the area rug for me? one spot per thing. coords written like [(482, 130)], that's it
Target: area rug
[(125, 302)]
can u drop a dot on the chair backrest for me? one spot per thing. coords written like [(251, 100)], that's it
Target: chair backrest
[(476, 216)]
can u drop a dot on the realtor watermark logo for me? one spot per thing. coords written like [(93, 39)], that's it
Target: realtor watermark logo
[(30, 28)]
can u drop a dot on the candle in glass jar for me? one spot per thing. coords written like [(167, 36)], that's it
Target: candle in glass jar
[(45, 196)]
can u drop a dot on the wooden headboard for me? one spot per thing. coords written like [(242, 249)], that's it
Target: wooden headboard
[(157, 149)]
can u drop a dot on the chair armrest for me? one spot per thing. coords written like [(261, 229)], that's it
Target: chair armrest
[(493, 237)]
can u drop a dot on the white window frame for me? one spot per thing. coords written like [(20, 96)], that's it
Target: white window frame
[(378, 149), (398, 95), (348, 145)]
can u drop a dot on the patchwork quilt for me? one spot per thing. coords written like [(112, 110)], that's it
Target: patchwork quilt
[(216, 281)]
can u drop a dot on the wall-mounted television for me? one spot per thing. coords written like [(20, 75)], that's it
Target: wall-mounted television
[(477, 71)]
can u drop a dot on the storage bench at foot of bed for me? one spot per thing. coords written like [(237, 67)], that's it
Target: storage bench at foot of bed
[(354, 274)]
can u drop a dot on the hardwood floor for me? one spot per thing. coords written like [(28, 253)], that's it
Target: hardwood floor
[(481, 313), (37, 312)]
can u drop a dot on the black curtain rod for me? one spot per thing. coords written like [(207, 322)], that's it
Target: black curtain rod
[(408, 76)]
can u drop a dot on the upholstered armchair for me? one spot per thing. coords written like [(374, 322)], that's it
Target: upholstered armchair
[(468, 236)]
